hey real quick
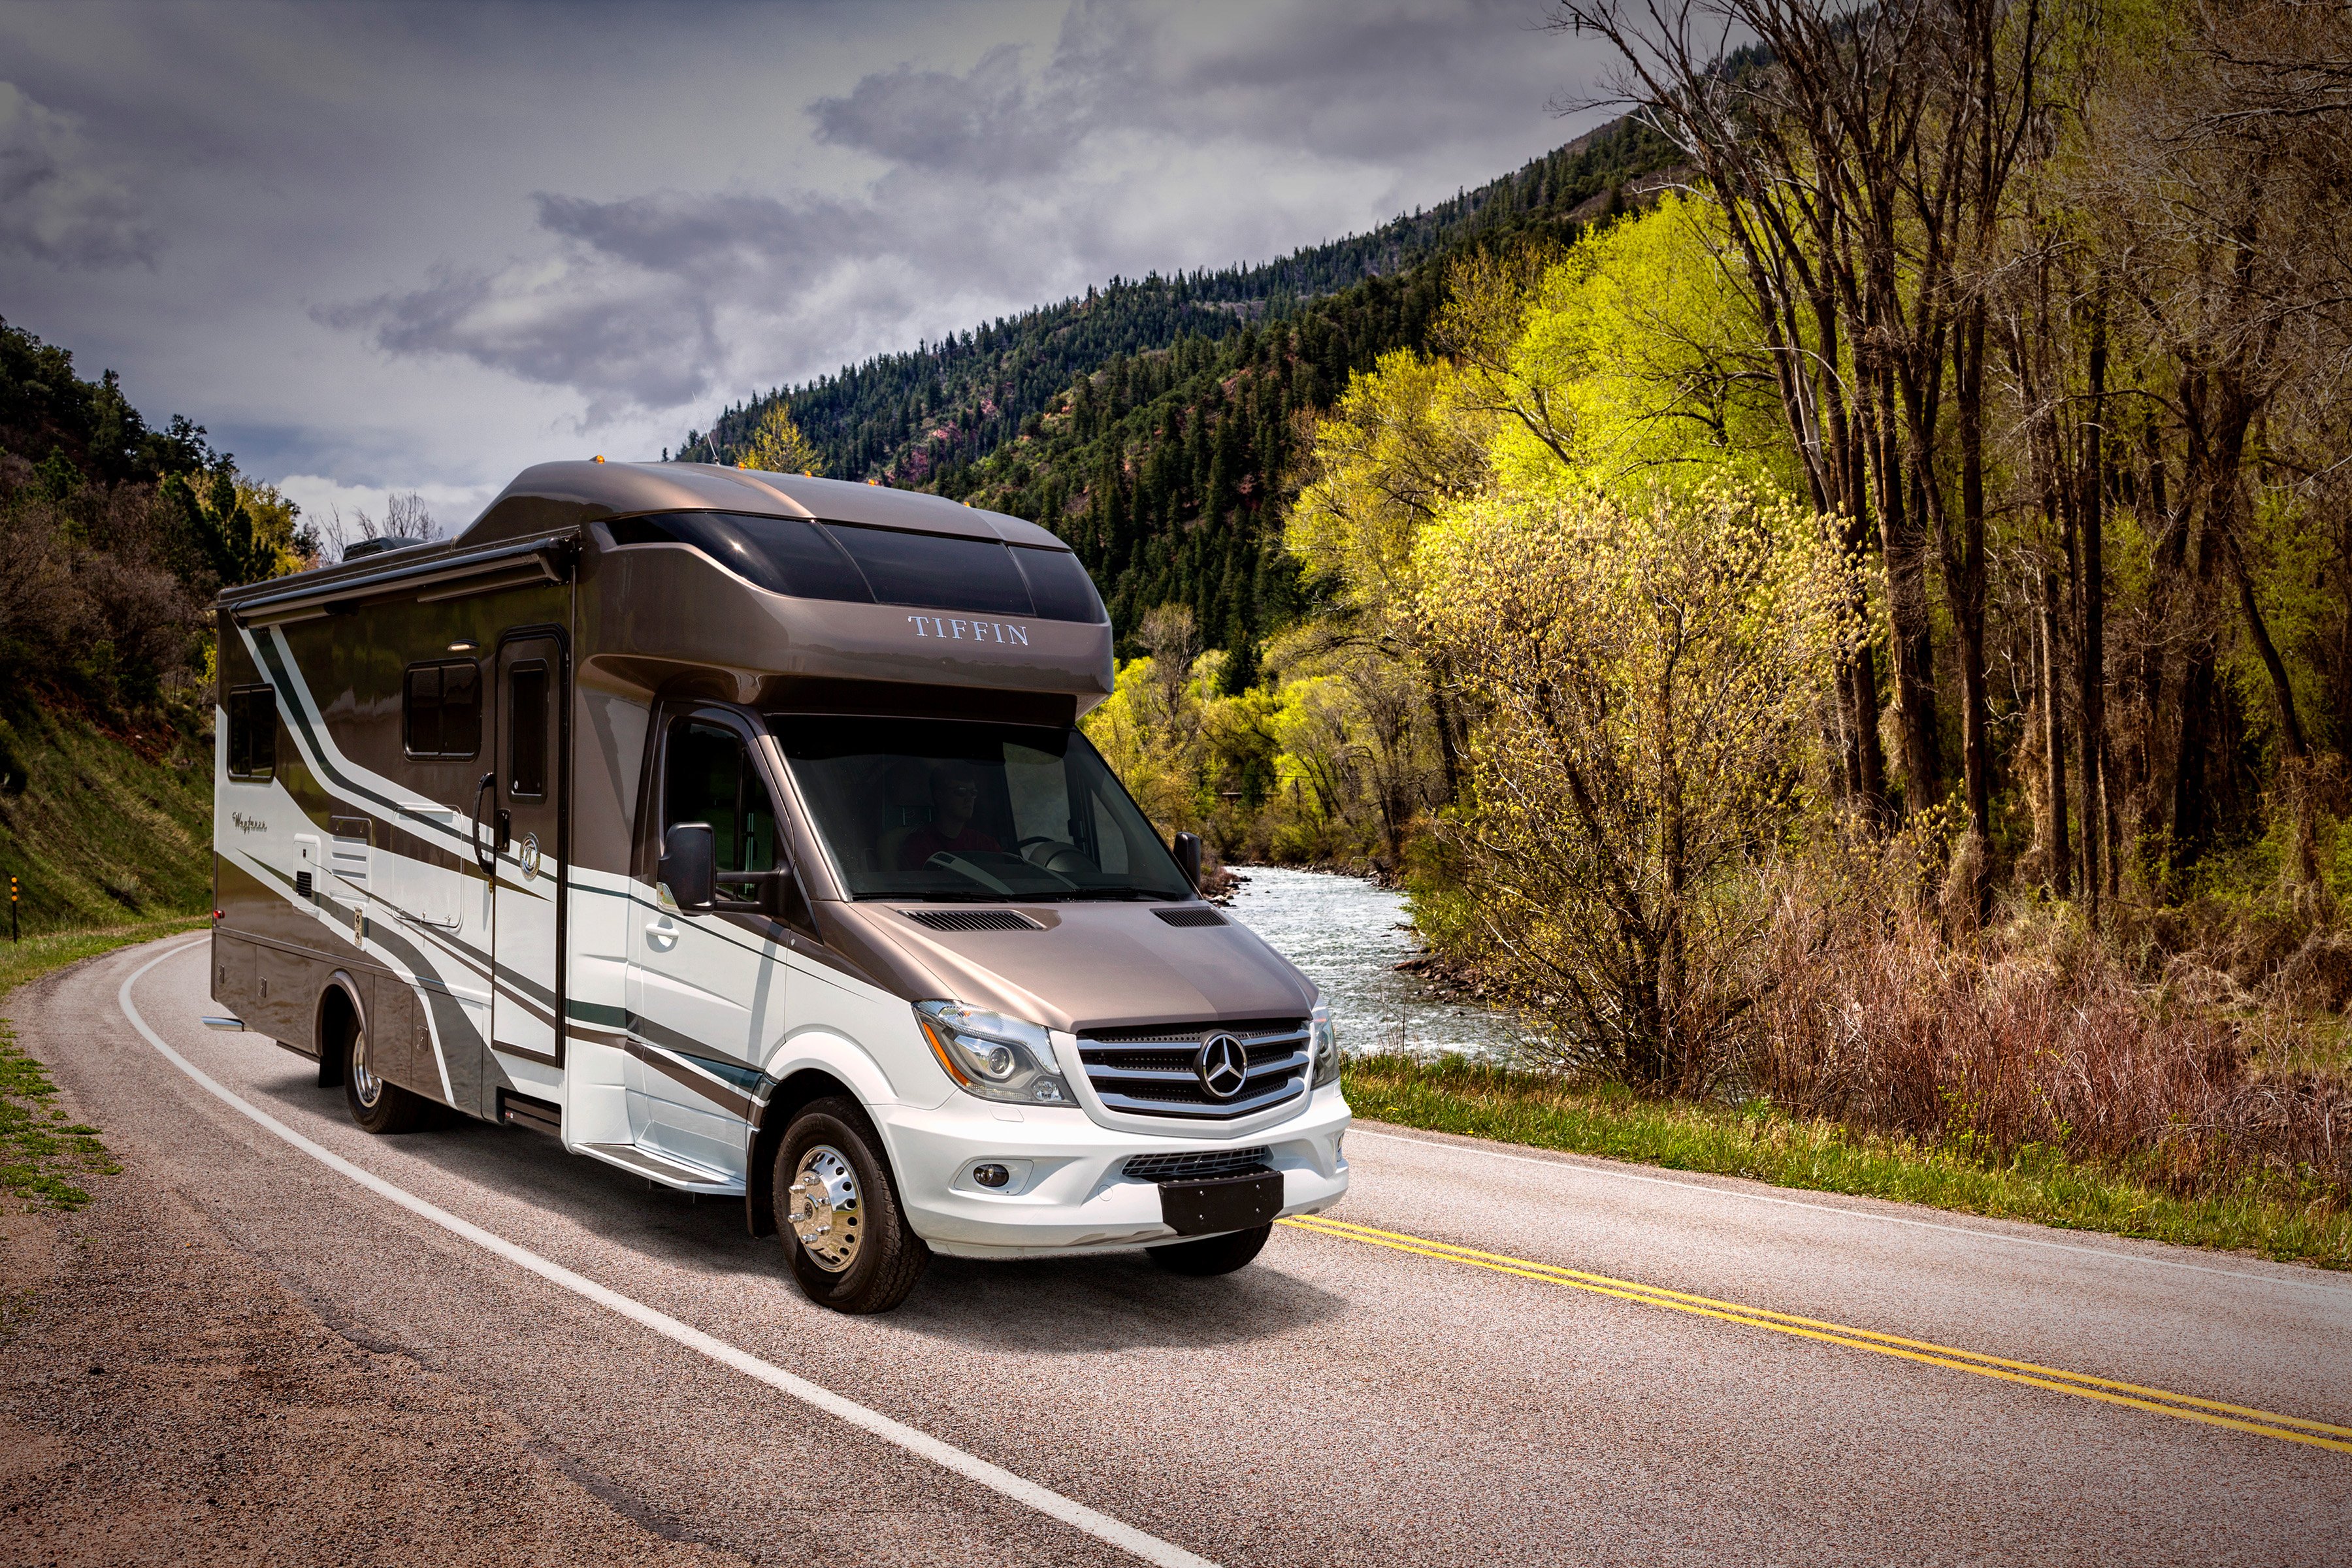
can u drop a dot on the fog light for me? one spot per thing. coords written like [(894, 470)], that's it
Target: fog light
[(990, 1176)]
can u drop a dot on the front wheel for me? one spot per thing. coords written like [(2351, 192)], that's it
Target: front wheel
[(1211, 1253), (837, 1212), (377, 1106)]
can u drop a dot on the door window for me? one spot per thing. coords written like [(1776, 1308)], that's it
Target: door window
[(710, 777), (527, 731)]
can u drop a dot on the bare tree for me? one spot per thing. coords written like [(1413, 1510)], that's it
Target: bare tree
[(2225, 205), (1866, 162), (406, 516)]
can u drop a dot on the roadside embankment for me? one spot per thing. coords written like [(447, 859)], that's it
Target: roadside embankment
[(165, 1397), (2276, 1216), (102, 826)]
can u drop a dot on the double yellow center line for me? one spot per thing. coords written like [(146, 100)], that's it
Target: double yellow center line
[(2162, 1401)]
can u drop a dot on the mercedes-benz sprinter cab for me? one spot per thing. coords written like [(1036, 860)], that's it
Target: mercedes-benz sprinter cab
[(736, 829)]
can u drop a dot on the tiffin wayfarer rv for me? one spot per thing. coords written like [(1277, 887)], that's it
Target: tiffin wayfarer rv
[(735, 828)]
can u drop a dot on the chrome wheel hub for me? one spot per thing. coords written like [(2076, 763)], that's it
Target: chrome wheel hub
[(824, 1208), (365, 1084)]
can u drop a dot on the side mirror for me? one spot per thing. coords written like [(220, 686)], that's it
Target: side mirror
[(1188, 858), (689, 866)]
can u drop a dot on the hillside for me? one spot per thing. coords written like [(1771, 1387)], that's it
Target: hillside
[(102, 826), (909, 418), (114, 535)]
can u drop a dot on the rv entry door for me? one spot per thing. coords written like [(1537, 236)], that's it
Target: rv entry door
[(526, 925), (706, 989)]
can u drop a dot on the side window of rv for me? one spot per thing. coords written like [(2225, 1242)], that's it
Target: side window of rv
[(441, 709), (709, 776), (252, 732)]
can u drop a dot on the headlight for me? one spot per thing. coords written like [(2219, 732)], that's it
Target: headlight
[(992, 1056), (1327, 1047)]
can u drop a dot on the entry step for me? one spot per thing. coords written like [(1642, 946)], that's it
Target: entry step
[(662, 1168)]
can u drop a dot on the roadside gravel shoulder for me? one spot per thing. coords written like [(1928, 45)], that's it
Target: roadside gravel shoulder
[(164, 1398)]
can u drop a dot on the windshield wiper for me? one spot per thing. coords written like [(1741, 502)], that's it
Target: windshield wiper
[(1139, 893)]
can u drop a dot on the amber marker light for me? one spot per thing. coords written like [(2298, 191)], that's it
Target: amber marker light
[(940, 1049)]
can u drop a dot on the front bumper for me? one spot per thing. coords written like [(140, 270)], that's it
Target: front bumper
[(1069, 1192)]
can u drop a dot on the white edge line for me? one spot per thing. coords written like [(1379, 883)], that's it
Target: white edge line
[(1053, 1504), (2119, 1255)]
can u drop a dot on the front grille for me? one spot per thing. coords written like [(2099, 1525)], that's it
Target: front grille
[(1148, 1070), (1190, 917), (972, 920), (1197, 1167)]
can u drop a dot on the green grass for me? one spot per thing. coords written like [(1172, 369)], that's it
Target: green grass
[(43, 1156), (2277, 1218), (106, 830), (100, 825)]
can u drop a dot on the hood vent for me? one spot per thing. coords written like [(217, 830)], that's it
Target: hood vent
[(1190, 917), (972, 920)]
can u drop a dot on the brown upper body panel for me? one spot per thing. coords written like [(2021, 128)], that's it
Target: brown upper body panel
[(550, 495), (1092, 965)]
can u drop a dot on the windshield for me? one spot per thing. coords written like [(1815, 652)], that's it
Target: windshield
[(936, 808)]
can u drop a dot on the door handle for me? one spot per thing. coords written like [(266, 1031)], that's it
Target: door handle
[(487, 859), (664, 933)]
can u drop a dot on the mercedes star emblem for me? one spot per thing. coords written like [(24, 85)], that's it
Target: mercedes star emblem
[(1222, 1067)]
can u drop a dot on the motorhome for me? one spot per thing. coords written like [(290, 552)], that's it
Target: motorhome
[(736, 829)]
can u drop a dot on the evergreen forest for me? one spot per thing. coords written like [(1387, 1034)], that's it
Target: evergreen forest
[(1156, 424)]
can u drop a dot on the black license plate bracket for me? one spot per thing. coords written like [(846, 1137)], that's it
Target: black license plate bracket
[(1221, 1203)]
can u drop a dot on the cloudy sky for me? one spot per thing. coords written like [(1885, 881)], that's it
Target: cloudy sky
[(382, 247)]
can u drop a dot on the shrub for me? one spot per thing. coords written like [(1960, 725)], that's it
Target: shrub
[(1647, 673)]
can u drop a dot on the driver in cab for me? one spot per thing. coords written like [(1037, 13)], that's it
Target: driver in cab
[(954, 797)]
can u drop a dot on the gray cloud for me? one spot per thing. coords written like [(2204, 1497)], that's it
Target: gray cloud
[(625, 337), (1001, 184), (59, 203), (985, 122), (414, 244)]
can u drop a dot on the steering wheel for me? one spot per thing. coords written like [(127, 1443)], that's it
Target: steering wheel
[(1037, 838)]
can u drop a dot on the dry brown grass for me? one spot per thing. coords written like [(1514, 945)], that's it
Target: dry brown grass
[(2034, 1035)]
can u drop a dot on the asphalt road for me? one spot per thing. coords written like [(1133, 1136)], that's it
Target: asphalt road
[(1496, 1356)]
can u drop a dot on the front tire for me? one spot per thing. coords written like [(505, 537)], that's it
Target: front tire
[(377, 1106), (837, 1212), (1212, 1255)]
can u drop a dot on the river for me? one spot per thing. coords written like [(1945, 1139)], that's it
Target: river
[(1348, 936)]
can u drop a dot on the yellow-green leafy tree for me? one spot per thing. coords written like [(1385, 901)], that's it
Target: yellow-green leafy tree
[(1648, 663), (1648, 345), (778, 446)]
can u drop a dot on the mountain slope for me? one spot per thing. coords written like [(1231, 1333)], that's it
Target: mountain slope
[(1152, 424), (907, 418)]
